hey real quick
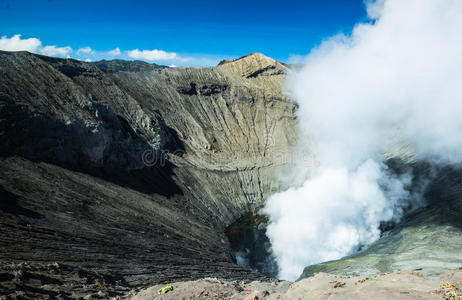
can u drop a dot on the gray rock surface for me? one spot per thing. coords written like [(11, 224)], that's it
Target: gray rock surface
[(133, 175), (397, 285)]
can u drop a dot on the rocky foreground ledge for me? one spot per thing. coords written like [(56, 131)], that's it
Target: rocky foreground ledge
[(396, 285)]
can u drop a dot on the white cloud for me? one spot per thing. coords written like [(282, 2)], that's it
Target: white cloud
[(114, 52), (296, 59), (15, 43), (88, 60), (154, 55), (84, 50), (374, 8), (56, 51)]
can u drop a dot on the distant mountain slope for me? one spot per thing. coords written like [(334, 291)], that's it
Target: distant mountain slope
[(117, 65)]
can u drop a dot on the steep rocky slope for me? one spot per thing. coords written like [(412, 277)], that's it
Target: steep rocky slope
[(132, 175)]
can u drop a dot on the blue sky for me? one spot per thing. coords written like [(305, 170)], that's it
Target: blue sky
[(190, 32)]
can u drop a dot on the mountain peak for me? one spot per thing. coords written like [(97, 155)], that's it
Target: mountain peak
[(254, 55), (254, 65)]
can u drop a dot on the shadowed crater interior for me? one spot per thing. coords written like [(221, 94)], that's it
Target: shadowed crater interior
[(250, 245)]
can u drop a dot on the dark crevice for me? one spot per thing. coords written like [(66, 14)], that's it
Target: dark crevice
[(250, 245)]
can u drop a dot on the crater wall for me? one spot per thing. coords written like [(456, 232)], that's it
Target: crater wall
[(136, 174)]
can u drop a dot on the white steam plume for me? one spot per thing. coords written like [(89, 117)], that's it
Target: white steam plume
[(398, 75)]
